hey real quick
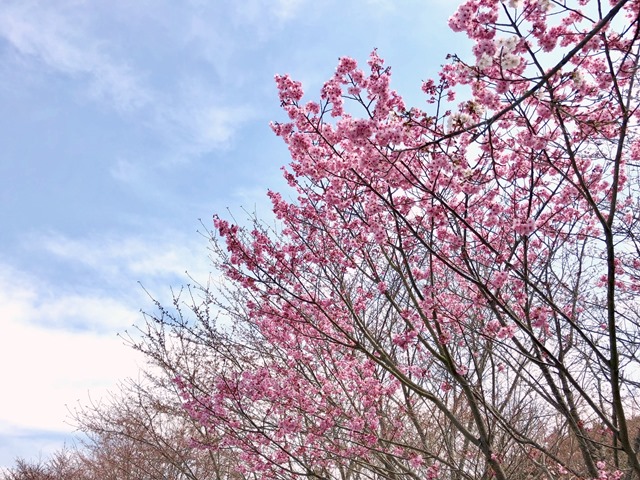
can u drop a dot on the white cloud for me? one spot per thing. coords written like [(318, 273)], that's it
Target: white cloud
[(59, 342), (46, 368), (213, 125), (52, 37)]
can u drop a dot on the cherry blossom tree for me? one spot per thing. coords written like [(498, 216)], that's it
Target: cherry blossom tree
[(138, 432), (62, 464), (452, 292)]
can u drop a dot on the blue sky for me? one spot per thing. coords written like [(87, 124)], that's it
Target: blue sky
[(123, 123)]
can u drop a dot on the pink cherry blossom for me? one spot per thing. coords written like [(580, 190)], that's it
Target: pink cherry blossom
[(450, 291)]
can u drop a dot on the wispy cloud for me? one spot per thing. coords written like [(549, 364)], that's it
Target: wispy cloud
[(254, 11), (51, 36), (159, 257), (191, 120), (199, 119)]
